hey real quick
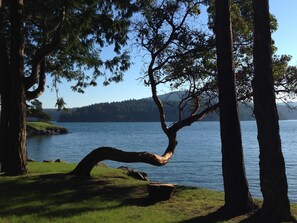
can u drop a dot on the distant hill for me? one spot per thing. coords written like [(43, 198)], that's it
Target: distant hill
[(142, 110), (145, 110), (53, 113), (286, 113)]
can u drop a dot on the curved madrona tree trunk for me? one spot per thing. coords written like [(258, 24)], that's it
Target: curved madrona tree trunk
[(86, 165), (273, 180)]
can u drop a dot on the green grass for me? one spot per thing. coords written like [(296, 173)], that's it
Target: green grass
[(47, 195), (42, 125)]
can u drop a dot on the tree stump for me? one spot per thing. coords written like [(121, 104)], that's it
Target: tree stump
[(160, 191)]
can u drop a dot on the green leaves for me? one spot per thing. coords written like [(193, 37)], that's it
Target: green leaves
[(61, 105)]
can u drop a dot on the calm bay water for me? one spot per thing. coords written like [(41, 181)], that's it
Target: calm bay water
[(196, 162)]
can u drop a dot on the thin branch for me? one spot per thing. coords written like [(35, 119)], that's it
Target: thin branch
[(155, 96), (194, 118)]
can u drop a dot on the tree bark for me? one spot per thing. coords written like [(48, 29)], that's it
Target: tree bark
[(273, 180), (4, 91), (4, 113), (237, 196), (16, 152)]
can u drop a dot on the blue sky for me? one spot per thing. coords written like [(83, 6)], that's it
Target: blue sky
[(131, 88)]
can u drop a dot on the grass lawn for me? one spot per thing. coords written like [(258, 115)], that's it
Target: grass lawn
[(46, 195), (43, 128), (41, 125)]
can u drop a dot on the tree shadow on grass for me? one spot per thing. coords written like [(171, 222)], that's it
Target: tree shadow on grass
[(143, 202), (216, 216), (261, 217), (220, 216), (60, 195)]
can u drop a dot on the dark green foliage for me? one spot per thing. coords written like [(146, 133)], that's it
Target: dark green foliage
[(75, 35), (34, 109)]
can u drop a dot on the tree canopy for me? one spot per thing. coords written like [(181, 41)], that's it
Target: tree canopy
[(182, 54), (66, 38)]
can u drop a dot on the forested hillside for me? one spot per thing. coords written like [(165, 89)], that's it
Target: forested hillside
[(126, 111), (143, 110)]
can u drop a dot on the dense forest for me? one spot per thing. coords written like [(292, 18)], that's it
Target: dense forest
[(144, 110)]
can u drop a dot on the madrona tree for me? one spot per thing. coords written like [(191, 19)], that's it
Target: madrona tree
[(61, 39), (172, 48)]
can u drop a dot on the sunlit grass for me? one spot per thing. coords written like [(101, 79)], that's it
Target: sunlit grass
[(41, 125), (46, 194)]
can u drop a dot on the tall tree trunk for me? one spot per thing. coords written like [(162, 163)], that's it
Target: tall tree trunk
[(17, 153), (4, 113), (4, 92), (237, 196), (273, 178)]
